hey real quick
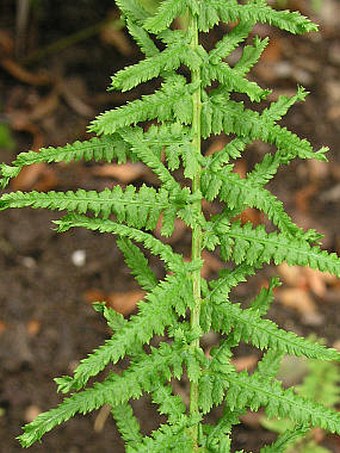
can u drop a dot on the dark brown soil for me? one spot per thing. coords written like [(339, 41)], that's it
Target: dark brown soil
[(46, 325)]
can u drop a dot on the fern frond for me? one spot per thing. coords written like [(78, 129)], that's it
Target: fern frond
[(286, 439), (139, 209), (173, 260), (142, 38), (114, 390), (133, 9), (269, 366), (138, 264), (263, 333), (167, 12), (127, 424), (240, 193), (154, 315), (148, 157), (265, 298), (232, 80), (322, 383), (253, 244), (230, 41), (168, 404), (219, 439), (115, 320), (172, 101), (229, 279), (174, 438), (232, 150), (255, 392), (220, 289), (107, 148), (250, 55), (150, 68), (233, 118), (214, 11), (278, 109)]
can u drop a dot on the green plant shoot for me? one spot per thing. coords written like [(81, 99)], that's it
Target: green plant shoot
[(194, 102)]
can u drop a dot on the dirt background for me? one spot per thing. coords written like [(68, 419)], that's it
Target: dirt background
[(52, 82)]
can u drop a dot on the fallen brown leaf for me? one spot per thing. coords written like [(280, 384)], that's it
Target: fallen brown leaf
[(22, 74), (273, 51), (117, 39), (125, 173), (217, 145), (33, 327), (241, 168), (252, 419), (31, 413), (245, 363), (251, 215), (301, 301), (101, 418), (95, 295), (37, 176), (211, 264), (304, 196), (125, 302), (292, 275), (3, 327)]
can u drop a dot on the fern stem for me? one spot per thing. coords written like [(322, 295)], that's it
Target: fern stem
[(196, 249)]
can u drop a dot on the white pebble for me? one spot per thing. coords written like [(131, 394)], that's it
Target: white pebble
[(78, 258)]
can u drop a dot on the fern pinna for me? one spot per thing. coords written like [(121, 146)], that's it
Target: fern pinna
[(166, 131)]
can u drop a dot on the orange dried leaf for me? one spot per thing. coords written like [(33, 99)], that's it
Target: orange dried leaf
[(301, 301), (31, 413), (33, 327), (245, 363), (217, 145), (95, 295), (125, 173), (3, 327), (211, 264), (125, 302)]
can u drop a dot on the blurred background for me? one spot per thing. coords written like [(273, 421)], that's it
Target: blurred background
[(56, 59)]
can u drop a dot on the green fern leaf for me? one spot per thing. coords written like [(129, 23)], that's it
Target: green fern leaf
[(167, 295), (127, 424), (251, 55), (142, 38), (256, 392), (265, 298), (175, 438), (173, 260), (133, 9), (165, 104), (230, 41), (213, 11), (152, 67), (240, 193), (263, 333), (166, 13), (114, 390), (139, 209), (170, 405), (286, 439), (269, 366), (253, 244), (114, 319), (233, 81), (138, 264), (100, 149)]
